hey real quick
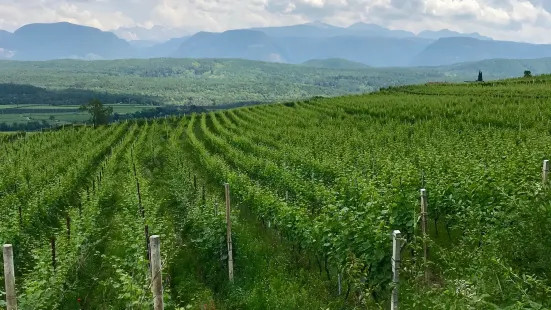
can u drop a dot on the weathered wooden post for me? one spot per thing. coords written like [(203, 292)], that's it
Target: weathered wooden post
[(204, 198), (396, 246), (228, 232), (339, 282), (9, 277), (424, 231), (68, 223), (545, 174), (156, 273)]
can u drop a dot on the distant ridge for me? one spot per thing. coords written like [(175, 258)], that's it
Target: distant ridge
[(365, 43), (445, 33)]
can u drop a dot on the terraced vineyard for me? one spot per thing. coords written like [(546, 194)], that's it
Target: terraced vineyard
[(317, 189)]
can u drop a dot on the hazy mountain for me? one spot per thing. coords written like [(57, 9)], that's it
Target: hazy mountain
[(311, 30), (5, 45), (445, 33), (156, 33), (335, 63), (246, 44), (257, 45), (455, 50), (164, 49), (4, 35), (143, 43), (376, 30), (66, 40), (322, 30), (368, 44), (373, 51)]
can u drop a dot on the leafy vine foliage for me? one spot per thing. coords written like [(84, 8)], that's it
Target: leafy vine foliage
[(327, 179)]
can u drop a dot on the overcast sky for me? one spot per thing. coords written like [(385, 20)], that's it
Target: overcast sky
[(517, 20)]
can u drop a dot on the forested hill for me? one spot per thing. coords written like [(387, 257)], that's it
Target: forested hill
[(219, 81), (188, 81)]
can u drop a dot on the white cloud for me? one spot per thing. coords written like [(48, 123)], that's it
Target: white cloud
[(519, 20)]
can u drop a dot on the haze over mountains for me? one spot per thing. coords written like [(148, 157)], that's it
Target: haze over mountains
[(367, 44)]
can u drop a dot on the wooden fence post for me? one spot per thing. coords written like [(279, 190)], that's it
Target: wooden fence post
[(396, 247), (9, 277), (147, 245), (545, 174), (424, 231), (339, 282), (204, 198), (68, 223), (156, 273), (228, 233)]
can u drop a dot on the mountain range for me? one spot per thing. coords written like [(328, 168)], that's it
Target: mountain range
[(363, 43)]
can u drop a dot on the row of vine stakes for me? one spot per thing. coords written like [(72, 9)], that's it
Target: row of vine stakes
[(154, 253)]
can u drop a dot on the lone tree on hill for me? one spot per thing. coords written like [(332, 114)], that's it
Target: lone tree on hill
[(527, 73), (100, 113), (480, 79)]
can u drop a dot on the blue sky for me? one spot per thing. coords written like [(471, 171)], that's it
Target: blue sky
[(516, 20)]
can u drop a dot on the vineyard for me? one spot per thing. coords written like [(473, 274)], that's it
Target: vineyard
[(317, 189)]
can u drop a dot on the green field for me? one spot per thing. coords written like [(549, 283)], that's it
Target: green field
[(317, 187), (25, 113)]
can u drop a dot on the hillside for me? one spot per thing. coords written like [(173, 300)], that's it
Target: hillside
[(334, 63), (188, 81), (218, 81), (274, 206)]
